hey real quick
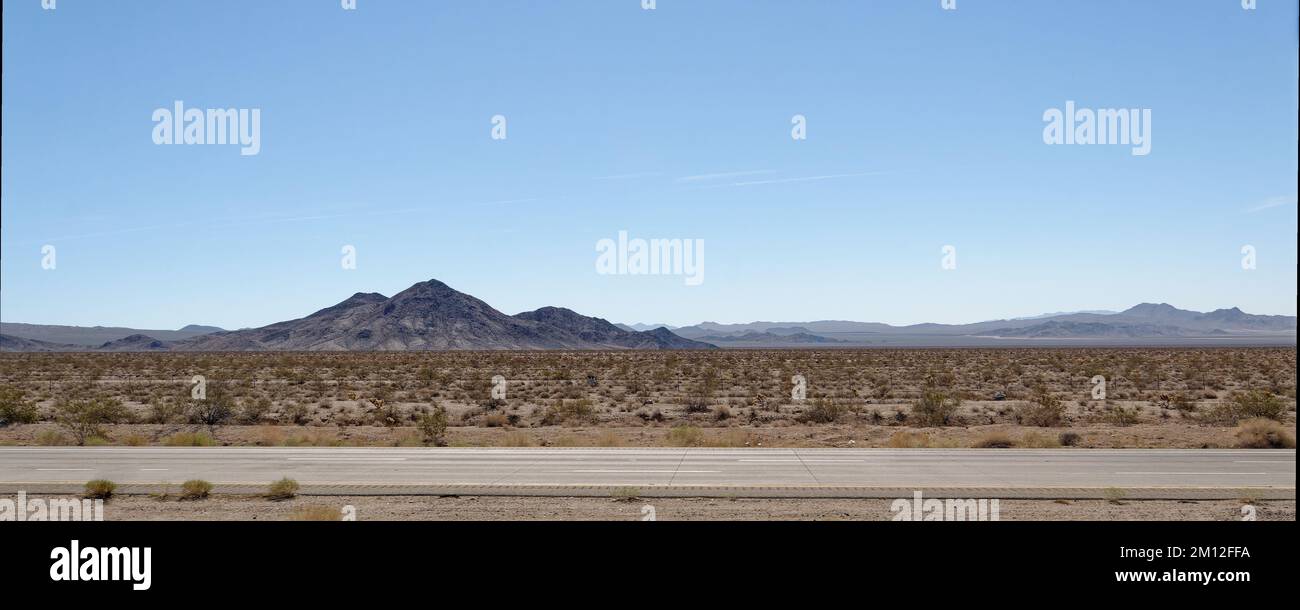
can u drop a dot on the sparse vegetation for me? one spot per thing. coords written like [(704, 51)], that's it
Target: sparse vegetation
[(1166, 396), (909, 440), (1263, 433), (684, 436), (86, 417), (433, 427), (1248, 405), (99, 489), (15, 408), (284, 489), (934, 409), (195, 489), (1045, 410)]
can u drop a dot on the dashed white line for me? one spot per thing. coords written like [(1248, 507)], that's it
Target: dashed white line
[(647, 471)]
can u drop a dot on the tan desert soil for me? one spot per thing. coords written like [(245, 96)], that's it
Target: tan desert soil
[(509, 508)]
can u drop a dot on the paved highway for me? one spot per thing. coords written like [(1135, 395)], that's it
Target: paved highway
[(662, 471)]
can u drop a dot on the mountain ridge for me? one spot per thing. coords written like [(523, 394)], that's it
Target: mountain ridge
[(432, 316)]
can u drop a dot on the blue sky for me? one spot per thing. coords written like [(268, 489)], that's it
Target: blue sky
[(924, 130)]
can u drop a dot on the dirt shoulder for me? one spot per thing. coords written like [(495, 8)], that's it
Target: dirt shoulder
[(513, 508), (1175, 434)]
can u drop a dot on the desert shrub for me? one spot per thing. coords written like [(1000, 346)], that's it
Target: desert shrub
[(253, 411), (385, 413), (1248, 405), (934, 408), (1068, 439), (190, 439), (133, 440), (1263, 433), (195, 489), (684, 436), (99, 489), (297, 414), (164, 410), (823, 411), (1178, 401), (569, 411), (697, 401), (283, 489), (215, 409), (52, 438), (15, 408), (1120, 415), (1044, 410), (432, 425), (85, 417), (994, 440)]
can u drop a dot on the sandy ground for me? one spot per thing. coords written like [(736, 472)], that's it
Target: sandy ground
[(509, 508), (1174, 434)]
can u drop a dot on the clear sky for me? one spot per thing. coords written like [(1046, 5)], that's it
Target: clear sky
[(924, 129)]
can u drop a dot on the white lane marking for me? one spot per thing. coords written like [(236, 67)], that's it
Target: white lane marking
[(646, 471), (65, 469), (1262, 462), (1195, 473), (345, 459), (153, 469), (796, 461)]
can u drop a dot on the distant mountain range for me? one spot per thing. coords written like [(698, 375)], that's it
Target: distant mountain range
[(432, 316), (427, 316), (95, 336), (1142, 324)]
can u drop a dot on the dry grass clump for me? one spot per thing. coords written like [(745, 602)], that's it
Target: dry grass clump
[(516, 438), (283, 489), (684, 436), (994, 440), (1262, 433), (1035, 440), (906, 439), (99, 489), (195, 489)]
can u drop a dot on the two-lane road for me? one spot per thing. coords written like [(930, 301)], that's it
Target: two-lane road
[(671, 471)]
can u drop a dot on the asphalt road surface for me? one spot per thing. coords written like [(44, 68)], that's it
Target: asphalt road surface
[(665, 471)]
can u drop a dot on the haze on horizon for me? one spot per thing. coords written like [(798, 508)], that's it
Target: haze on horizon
[(924, 129)]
